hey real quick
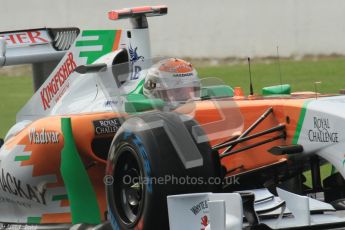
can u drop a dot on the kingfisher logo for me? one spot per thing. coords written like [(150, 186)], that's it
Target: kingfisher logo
[(134, 57), (26, 38), (58, 84)]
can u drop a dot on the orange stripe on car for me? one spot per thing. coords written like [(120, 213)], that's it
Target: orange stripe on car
[(117, 40)]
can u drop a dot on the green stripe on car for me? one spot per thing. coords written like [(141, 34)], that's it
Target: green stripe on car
[(34, 220), (300, 122), (60, 197), (105, 40), (22, 158), (81, 195)]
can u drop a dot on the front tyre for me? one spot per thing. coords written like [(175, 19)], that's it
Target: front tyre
[(146, 168)]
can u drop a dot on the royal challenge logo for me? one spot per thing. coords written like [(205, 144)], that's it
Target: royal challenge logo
[(106, 126)]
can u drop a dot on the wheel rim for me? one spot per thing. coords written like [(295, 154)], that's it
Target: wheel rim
[(127, 187)]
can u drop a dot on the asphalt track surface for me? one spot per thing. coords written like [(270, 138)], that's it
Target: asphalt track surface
[(103, 226)]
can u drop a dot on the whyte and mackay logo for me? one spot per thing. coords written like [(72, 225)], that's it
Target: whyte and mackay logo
[(201, 207), (322, 131), (12, 185), (134, 57), (106, 126)]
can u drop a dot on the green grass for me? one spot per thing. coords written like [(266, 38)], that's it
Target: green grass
[(14, 92), (301, 75), (325, 171)]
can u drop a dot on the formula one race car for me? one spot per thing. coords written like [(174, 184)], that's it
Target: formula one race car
[(89, 149)]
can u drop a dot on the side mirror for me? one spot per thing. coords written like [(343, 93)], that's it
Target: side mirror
[(2, 51), (1, 142), (2, 47), (93, 68)]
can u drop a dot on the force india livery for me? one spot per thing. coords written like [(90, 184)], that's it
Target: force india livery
[(89, 148)]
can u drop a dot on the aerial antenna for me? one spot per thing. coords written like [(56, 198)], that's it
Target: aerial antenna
[(251, 91), (280, 71), (316, 88)]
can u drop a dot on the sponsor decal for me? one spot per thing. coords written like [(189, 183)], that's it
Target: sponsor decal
[(204, 222), (43, 137), (110, 103), (96, 43), (199, 207), (134, 57), (26, 38), (12, 185), (322, 131), (182, 74), (26, 189), (14, 202), (106, 126), (180, 68), (58, 85)]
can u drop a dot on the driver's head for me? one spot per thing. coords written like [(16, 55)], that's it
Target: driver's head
[(172, 80)]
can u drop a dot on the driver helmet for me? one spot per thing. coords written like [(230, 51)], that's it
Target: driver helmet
[(172, 80)]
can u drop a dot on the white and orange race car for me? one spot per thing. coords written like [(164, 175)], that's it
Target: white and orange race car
[(90, 150)]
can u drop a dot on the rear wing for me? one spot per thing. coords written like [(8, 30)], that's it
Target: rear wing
[(43, 48), (35, 45)]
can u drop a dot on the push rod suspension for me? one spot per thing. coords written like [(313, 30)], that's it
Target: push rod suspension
[(280, 136), (235, 142), (253, 126)]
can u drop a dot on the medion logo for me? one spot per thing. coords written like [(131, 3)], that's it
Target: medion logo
[(43, 137), (57, 85)]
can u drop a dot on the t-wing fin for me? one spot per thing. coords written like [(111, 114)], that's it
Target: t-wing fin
[(138, 14), (148, 11)]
